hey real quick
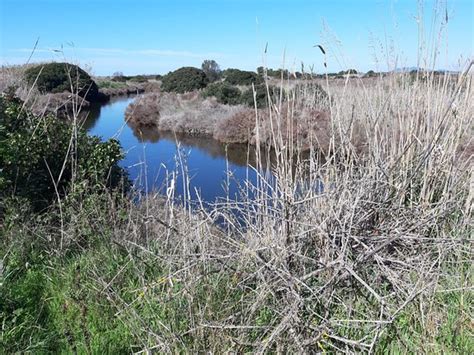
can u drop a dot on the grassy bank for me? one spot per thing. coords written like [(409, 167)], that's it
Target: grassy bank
[(367, 251)]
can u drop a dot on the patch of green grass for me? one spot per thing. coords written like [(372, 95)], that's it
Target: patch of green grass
[(444, 327)]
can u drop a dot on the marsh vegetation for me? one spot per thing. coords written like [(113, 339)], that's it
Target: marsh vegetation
[(362, 244)]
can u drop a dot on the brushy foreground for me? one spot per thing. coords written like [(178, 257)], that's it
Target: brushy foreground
[(369, 250)]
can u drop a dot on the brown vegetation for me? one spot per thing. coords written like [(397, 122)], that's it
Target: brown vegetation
[(303, 128), (181, 113), (369, 255), (190, 114), (124, 91), (335, 259), (62, 105), (237, 128)]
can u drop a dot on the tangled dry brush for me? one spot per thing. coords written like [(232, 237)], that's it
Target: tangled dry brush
[(322, 255)]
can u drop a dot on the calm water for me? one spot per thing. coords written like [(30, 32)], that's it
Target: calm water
[(151, 156)]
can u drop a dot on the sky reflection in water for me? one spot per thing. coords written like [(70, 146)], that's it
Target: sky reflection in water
[(151, 155)]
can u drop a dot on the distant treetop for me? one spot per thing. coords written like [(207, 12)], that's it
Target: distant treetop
[(212, 70)]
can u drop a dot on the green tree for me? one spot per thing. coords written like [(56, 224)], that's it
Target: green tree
[(212, 70)]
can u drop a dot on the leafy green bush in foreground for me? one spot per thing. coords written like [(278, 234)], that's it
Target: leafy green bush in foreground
[(41, 156)]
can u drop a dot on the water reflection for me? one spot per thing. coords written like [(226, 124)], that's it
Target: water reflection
[(90, 117), (151, 156), (238, 154)]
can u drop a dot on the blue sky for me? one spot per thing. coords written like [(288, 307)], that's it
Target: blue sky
[(158, 36)]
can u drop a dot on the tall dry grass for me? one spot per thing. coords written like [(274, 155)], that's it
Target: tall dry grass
[(324, 255), (316, 255)]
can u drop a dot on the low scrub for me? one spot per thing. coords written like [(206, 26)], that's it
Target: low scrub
[(62, 105), (259, 95), (192, 114), (60, 77), (240, 77), (354, 253), (185, 79), (181, 113), (237, 128), (224, 93)]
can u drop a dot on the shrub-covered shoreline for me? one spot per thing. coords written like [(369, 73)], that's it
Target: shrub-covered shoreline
[(194, 114), (357, 253), (64, 89)]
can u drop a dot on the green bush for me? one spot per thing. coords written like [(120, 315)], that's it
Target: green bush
[(139, 79), (223, 92), (39, 157), (120, 78), (241, 77), (60, 77), (261, 95), (231, 95), (184, 80), (347, 72)]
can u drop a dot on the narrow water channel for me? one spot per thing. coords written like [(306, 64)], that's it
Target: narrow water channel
[(151, 157)]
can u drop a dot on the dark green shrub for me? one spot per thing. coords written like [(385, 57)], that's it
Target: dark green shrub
[(241, 77), (120, 78), (139, 79), (223, 92), (60, 77), (261, 95), (278, 73), (184, 80), (37, 161), (346, 72)]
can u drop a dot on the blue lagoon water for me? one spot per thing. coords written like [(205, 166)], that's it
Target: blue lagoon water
[(152, 156)]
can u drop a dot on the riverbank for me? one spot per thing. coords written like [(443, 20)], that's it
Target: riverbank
[(66, 104), (377, 258), (305, 126)]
